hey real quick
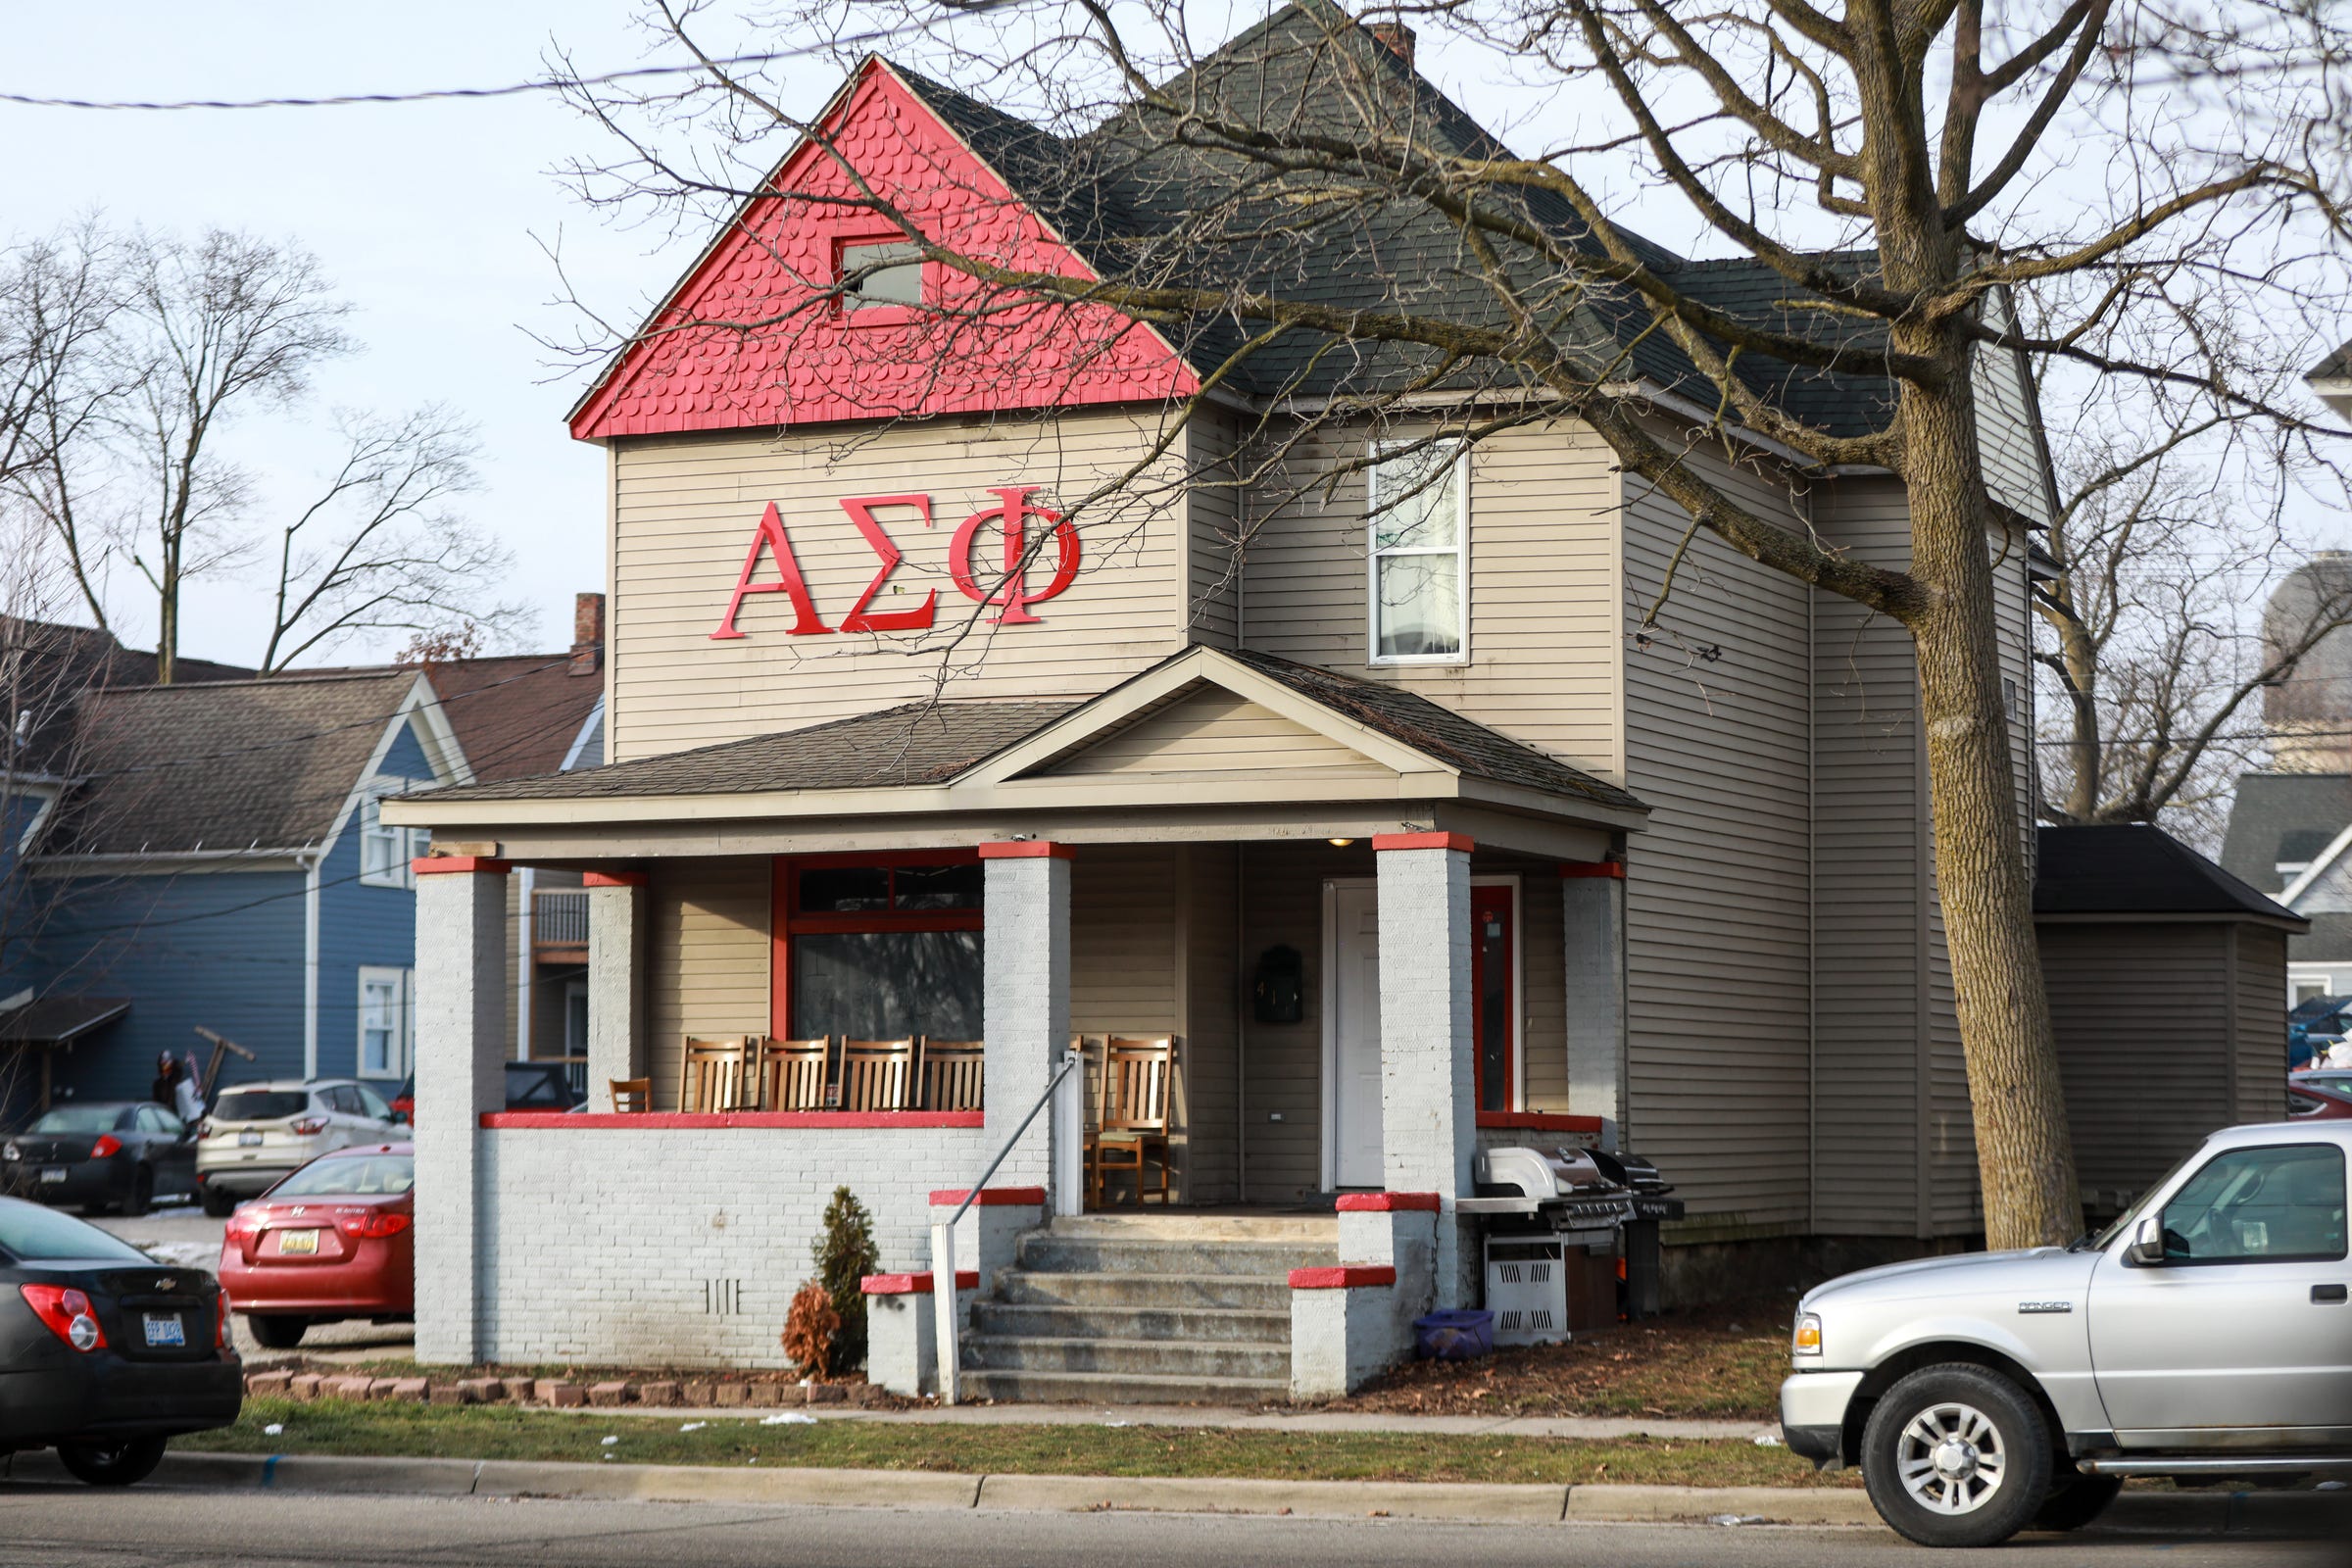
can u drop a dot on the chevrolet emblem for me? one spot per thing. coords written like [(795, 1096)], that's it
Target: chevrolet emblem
[(165, 1284)]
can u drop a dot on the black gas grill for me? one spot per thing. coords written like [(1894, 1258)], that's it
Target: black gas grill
[(1587, 1198)]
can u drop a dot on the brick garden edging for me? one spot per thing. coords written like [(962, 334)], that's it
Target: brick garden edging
[(557, 1394)]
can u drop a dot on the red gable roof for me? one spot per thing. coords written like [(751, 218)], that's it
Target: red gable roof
[(692, 367)]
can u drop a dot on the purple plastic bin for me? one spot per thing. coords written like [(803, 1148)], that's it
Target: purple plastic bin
[(1454, 1336)]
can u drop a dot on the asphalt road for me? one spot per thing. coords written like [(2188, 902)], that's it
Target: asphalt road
[(183, 1236), (150, 1526)]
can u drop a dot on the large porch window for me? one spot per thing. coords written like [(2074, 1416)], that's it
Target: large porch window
[(879, 947)]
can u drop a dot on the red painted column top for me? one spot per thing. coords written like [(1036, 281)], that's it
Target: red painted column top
[(1024, 850), (614, 879), (1424, 840), (445, 865)]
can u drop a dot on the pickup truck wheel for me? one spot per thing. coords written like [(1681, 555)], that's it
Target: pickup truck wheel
[(2074, 1500), (1956, 1456)]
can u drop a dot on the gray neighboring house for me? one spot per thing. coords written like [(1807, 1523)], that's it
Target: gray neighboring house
[(2286, 840)]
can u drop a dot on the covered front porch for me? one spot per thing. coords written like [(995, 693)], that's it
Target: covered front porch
[(1363, 956)]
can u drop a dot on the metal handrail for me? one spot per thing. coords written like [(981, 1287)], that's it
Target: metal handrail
[(942, 1240)]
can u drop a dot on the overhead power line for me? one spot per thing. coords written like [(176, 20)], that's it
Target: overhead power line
[(763, 56)]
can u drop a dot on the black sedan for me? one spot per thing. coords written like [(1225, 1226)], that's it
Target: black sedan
[(111, 1154), (105, 1354)]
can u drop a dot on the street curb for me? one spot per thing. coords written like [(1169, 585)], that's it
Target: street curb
[(2205, 1513)]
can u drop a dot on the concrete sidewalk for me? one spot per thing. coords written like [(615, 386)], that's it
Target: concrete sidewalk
[(2304, 1515)]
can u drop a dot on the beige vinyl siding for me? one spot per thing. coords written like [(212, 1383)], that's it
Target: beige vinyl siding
[(708, 958), (2006, 425), (1544, 628), (2141, 1012), (2013, 605), (1215, 732), (686, 513), (1281, 1064), (1213, 537), (1716, 944), (2261, 1055)]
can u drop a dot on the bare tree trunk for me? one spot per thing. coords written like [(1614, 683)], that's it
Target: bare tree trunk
[(2025, 1157)]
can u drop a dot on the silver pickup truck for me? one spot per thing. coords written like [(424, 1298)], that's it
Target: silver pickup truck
[(2204, 1334)]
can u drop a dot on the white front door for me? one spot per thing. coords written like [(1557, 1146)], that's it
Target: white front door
[(1352, 1000)]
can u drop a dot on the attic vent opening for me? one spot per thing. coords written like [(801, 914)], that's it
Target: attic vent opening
[(1395, 37)]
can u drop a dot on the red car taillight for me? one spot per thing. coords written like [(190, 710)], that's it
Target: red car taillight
[(374, 1227), (310, 1126), (107, 1147), (65, 1312), (204, 1129)]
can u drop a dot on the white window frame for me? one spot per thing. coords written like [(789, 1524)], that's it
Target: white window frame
[(1374, 554), (405, 844), (402, 983)]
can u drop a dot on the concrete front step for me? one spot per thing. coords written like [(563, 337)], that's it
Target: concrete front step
[(1303, 1230), (1058, 1251), (1264, 1293), (1009, 1386), (1194, 1324), (1151, 1359)]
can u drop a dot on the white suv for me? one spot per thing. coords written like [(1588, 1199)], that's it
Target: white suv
[(2206, 1334), (258, 1132)]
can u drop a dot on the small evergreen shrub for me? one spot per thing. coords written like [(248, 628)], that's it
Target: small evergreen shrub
[(844, 1255)]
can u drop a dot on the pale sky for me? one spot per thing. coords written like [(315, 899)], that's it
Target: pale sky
[(423, 215)]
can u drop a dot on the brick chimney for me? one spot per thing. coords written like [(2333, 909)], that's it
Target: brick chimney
[(1395, 37), (587, 634)]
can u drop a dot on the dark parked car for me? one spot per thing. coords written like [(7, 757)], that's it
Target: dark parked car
[(530, 1086), (101, 1155), (106, 1354)]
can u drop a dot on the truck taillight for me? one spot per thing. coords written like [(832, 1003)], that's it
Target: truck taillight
[(374, 1227), (107, 1147), (65, 1312), (310, 1126)]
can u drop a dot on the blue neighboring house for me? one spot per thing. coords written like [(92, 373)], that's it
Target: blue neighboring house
[(208, 854)]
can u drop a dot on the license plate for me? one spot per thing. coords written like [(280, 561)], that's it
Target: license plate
[(166, 1330), (249, 1140), (53, 1173), (298, 1241)]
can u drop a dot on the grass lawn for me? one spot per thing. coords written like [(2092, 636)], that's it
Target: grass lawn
[(499, 1432)]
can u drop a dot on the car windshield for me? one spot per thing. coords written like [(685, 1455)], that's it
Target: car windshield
[(29, 1233), (2123, 1222), (261, 1104), (351, 1176), (78, 1119)]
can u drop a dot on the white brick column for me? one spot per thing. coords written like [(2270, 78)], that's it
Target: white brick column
[(1593, 914), (1026, 1011), (1428, 1101), (460, 1073), (619, 913)]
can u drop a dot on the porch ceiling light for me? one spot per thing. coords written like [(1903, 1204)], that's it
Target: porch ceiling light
[(1339, 843)]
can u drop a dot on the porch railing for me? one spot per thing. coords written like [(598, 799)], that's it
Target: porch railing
[(943, 1241), (560, 918)]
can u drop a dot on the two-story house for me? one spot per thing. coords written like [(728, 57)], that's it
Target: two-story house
[(1390, 814)]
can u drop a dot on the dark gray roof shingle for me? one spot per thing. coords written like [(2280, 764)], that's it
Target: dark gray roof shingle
[(915, 743), (222, 766)]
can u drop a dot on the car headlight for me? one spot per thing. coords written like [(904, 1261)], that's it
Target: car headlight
[(12, 1153), (1805, 1338)]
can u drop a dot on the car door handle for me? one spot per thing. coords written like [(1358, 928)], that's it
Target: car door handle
[(2327, 1294)]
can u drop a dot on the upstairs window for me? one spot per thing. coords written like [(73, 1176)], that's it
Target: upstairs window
[(893, 276), (386, 850), (1420, 553)]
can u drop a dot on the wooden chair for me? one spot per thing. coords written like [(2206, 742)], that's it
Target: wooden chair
[(789, 1074), (710, 1074), (631, 1096), (1133, 1122), (952, 1074), (876, 1075)]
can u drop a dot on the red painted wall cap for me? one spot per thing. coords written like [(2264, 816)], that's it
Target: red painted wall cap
[(966, 1279), (444, 864), (1424, 840), (1387, 1202), (992, 1198), (1024, 850), (1344, 1277)]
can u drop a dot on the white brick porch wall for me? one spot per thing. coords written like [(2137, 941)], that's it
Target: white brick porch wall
[(683, 1247)]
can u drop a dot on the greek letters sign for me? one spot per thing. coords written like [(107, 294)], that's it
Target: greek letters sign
[(1012, 555)]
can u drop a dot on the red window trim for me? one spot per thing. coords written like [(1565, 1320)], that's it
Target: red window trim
[(678, 1120), (785, 921)]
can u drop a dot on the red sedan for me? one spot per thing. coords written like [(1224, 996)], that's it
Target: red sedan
[(332, 1241)]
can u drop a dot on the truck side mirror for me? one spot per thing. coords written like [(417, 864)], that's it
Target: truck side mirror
[(2147, 1242)]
